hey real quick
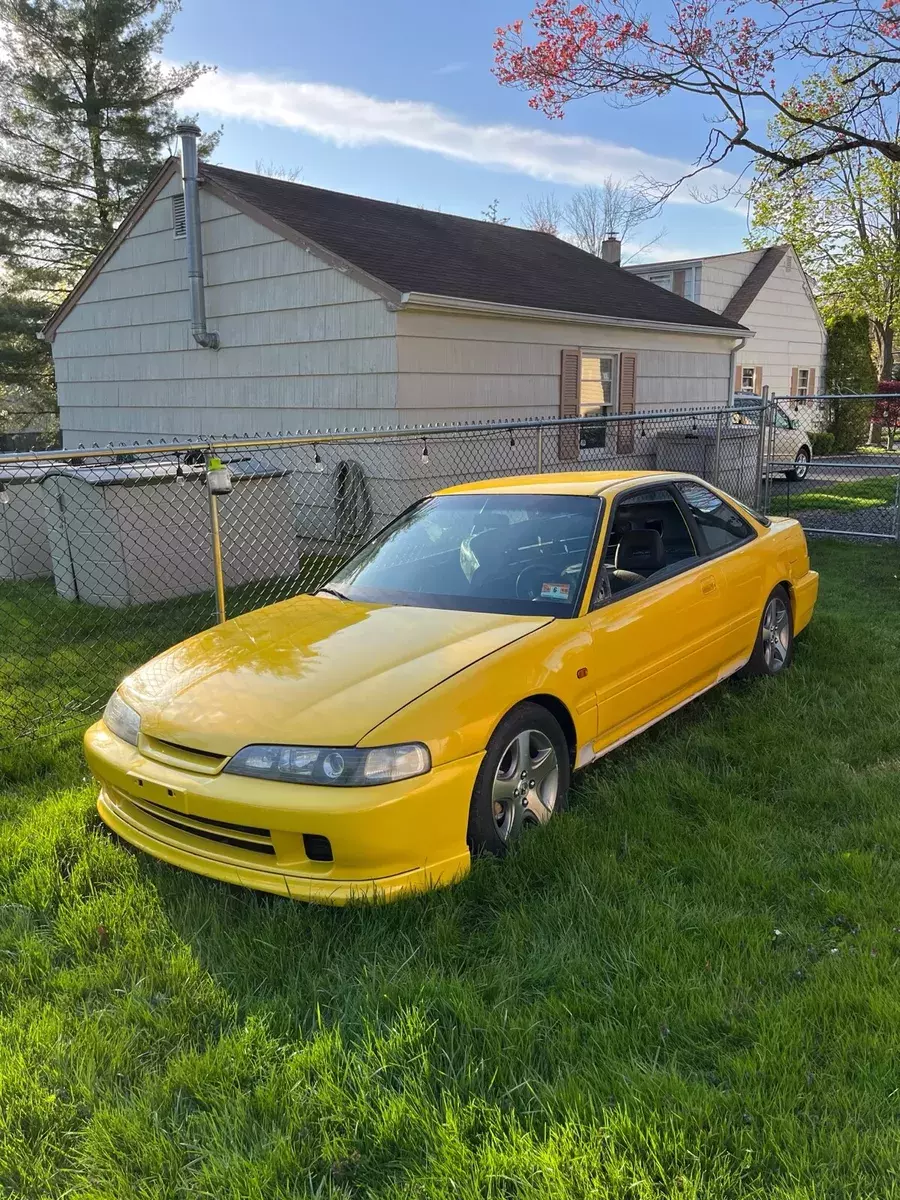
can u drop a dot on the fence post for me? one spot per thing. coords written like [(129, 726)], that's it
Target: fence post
[(897, 510), (540, 450), (717, 452), (761, 456), (216, 543)]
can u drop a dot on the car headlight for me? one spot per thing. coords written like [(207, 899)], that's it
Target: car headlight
[(121, 719), (334, 767)]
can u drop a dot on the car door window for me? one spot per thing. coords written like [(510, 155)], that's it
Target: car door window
[(648, 536), (782, 420), (720, 526)]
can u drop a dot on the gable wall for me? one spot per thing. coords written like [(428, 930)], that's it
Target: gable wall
[(304, 346), (721, 277), (788, 330)]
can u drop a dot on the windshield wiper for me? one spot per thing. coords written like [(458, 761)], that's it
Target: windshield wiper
[(330, 591)]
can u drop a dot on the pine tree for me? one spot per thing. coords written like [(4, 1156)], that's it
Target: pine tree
[(86, 118)]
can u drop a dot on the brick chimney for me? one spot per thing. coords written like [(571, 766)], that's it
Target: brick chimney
[(611, 250)]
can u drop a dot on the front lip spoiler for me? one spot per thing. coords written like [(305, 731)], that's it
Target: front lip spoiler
[(292, 885)]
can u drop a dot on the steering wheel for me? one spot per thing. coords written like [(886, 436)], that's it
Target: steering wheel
[(529, 580)]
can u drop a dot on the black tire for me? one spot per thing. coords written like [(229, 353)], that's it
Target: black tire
[(492, 832), (800, 470), (764, 661)]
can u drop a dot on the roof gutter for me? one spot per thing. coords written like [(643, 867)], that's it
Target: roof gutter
[(729, 396), (491, 308)]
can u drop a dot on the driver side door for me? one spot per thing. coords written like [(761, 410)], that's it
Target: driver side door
[(653, 637)]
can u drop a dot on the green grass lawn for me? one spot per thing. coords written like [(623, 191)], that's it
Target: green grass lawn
[(60, 660), (687, 987), (858, 493)]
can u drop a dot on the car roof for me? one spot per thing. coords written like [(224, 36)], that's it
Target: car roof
[(562, 483)]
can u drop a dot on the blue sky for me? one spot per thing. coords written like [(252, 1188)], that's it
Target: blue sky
[(397, 101)]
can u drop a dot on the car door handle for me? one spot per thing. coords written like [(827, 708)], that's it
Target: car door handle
[(708, 585)]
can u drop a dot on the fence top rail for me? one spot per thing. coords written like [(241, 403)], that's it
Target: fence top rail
[(400, 432), (843, 465), (835, 396)]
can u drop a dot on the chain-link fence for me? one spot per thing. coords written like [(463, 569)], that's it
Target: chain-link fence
[(109, 556), (833, 463)]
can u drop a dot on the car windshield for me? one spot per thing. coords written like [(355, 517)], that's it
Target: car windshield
[(517, 554), (747, 408)]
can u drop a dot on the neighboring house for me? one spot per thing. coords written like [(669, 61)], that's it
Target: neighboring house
[(336, 311), (766, 290)]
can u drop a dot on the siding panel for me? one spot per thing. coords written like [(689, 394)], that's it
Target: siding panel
[(455, 365), (304, 346)]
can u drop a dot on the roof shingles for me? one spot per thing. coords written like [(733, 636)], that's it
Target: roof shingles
[(415, 250)]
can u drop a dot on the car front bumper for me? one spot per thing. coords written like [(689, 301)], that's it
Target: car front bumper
[(386, 841)]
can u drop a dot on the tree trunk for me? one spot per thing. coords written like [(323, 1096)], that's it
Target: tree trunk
[(886, 337), (98, 163)]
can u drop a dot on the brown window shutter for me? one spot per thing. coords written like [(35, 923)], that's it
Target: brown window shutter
[(678, 278), (793, 381), (627, 389), (811, 389), (569, 396), (738, 377), (757, 380)]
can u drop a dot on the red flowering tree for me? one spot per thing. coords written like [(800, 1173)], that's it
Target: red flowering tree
[(886, 412), (744, 55)]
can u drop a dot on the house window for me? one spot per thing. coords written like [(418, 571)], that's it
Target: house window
[(802, 381), (179, 225), (748, 379), (597, 396), (681, 281)]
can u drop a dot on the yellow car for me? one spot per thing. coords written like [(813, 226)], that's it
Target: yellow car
[(434, 698)]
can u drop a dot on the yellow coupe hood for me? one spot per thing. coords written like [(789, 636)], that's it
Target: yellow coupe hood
[(309, 671)]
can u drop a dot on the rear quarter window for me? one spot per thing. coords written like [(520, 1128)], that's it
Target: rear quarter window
[(721, 526)]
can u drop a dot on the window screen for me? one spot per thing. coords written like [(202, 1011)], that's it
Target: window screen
[(721, 526)]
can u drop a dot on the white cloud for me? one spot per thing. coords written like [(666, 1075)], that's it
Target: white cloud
[(351, 118), (451, 68)]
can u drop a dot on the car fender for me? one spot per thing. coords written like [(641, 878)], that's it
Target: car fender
[(457, 717)]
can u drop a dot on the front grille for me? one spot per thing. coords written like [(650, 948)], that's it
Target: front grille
[(184, 758), (191, 750), (254, 839)]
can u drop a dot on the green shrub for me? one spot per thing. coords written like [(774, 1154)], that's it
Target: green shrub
[(849, 423), (849, 366), (822, 444)]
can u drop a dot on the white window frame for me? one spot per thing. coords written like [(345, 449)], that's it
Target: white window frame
[(744, 372), (610, 408), (666, 279), (803, 387)]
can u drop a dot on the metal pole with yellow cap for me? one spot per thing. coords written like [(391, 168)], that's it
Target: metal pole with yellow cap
[(218, 483)]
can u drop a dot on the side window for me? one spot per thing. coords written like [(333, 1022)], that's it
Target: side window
[(720, 525), (649, 534), (598, 396), (782, 420)]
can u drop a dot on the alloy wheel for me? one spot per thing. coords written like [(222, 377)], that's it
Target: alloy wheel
[(776, 633), (526, 783), (801, 464)]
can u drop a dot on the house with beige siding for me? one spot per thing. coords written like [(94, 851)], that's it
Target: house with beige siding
[(324, 310), (768, 291)]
